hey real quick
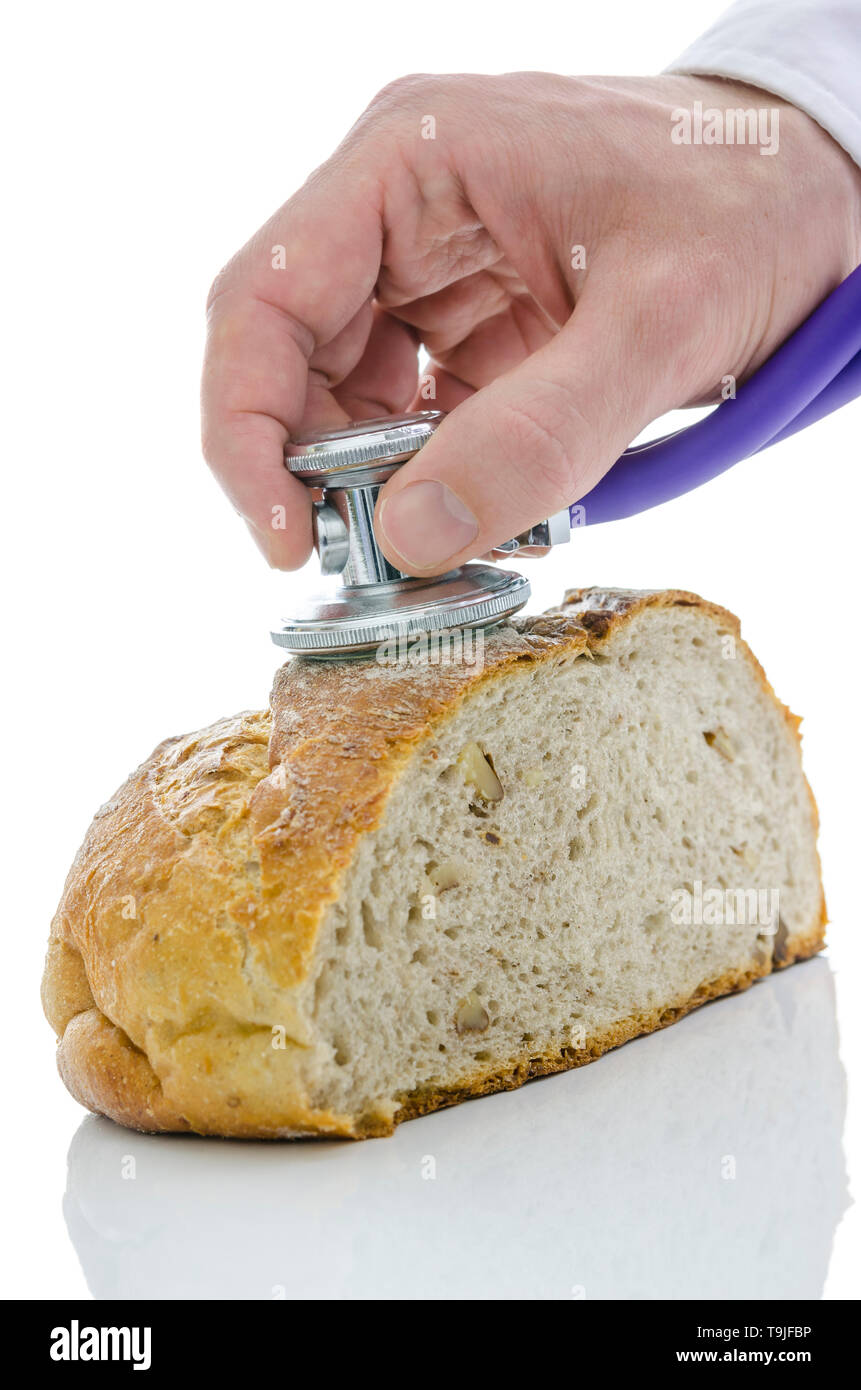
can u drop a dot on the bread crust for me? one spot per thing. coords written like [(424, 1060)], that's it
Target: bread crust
[(190, 915)]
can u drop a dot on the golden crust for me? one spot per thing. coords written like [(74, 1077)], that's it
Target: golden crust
[(190, 915)]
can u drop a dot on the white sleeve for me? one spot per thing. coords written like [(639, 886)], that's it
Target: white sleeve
[(806, 51)]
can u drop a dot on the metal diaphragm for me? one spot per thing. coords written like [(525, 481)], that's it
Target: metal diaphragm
[(356, 621)]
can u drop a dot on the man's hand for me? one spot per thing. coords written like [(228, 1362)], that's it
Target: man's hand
[(572, 271)]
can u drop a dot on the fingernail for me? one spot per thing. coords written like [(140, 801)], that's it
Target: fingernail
[(426, 523)]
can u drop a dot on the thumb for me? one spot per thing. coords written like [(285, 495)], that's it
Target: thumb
[(532, 442)]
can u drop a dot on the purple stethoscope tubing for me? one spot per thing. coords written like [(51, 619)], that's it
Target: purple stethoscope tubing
[(816, 371)]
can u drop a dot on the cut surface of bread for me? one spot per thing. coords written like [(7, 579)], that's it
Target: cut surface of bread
[(407, 885)]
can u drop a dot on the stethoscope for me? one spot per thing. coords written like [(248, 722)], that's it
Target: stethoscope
[(817, 370)]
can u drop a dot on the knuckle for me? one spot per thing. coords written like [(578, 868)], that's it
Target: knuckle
[(219, 286), (405, 89), (211, 439), (223, 424)]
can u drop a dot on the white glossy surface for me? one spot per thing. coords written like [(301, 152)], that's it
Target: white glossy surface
[(702, 1162)]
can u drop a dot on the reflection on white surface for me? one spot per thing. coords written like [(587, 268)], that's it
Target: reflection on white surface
[(702, 1162)]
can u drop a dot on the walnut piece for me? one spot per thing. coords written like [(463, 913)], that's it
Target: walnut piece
[(446, 875), (719, 739), (478, 772), (471, 1015)]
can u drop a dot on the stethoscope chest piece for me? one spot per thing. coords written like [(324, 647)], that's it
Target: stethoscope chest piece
[(374, 603), (817, 370)]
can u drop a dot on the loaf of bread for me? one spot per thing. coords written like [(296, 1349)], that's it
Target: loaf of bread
[(414, 882)]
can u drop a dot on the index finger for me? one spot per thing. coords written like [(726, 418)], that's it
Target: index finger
[(286, 319)]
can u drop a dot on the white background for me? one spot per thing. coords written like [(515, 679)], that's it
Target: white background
[(143, 145)]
